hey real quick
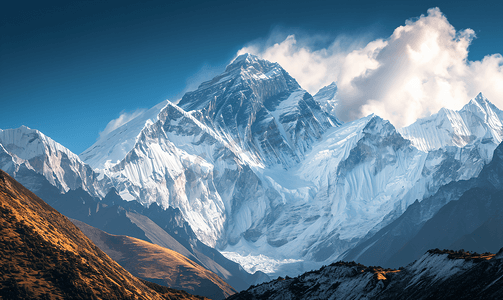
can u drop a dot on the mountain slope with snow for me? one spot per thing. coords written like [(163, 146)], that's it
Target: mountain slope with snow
[(470, 164), (327, 98), (259, 106), (478, 122), (258, 167), (25, 151)]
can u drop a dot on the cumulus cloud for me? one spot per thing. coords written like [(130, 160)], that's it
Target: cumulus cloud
[(422, 67), (121, 120)]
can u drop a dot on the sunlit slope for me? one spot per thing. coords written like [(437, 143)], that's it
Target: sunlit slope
[(45, 256), (158, 264)]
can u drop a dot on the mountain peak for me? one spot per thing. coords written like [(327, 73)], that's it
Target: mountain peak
[(246, 57), (245, 75), (480, 98), (484, 109), (244, 61), (378, 126), (479, 101), (327, 92), (27, 143), (256, 100)]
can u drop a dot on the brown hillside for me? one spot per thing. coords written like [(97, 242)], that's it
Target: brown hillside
[(158, 264), (45, 256)]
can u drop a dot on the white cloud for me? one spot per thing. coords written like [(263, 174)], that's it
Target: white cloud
[(121, 120), (422, 67)]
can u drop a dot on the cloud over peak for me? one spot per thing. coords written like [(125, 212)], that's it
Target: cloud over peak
[(422, 67)]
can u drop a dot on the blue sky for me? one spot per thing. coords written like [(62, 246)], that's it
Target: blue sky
[(67, 68)]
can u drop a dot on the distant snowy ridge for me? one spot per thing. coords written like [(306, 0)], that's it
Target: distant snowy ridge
[(24, 150), (327, 98), (259, 106), (477, 122)]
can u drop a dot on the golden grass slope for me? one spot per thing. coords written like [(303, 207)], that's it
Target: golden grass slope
[(44, 256), (158, 264)]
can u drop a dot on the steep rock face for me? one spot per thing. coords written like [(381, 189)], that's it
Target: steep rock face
[(259, 106), (349, 183), (436, 275), (204, 162), (25, 152), (180, 162)]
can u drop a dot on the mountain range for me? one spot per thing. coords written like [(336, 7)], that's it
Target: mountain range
[(252, 166)]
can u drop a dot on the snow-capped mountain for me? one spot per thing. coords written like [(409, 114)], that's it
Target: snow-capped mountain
[(436, 275), (25, 152), (259, 168), (259, 106), (458, 143), (478, 122), (157, 171), (201, 161), (327, 98)]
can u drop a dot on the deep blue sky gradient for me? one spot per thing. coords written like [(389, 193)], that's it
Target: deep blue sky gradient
[(69, 67)]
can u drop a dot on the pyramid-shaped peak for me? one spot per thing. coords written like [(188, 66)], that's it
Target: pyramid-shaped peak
[(331, 86), (245, 74), (482, 104), (246, 60), (481, 99), (328, 91), (246, 57)]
